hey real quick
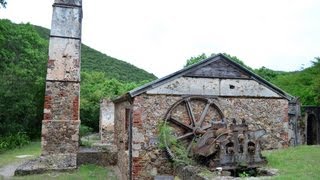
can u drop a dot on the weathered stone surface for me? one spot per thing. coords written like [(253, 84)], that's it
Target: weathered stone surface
[(164, 177), (72, 2), (60, 137), (268, 114), (263, 171), (64, 59), (213, 87), (63, 19), (106, 122), (121, 138), (62, 101), (149, 110), (56, 162), (188, 85), (240, 87), (106, 157), (60, 125), (189, 173)]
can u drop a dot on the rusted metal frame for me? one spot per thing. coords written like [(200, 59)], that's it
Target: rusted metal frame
[(178, 122), (204, 113), (185, 136)]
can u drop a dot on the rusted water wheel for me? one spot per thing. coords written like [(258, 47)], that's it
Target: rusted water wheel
[(188, 119)]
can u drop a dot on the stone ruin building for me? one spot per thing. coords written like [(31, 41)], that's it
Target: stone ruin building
[(216, 89)]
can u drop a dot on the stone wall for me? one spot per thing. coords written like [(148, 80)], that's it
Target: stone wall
[(106, 121), (121, 137), (59, 137), (149, 110)]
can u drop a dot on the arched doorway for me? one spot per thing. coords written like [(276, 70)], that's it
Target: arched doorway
[(312, 130)]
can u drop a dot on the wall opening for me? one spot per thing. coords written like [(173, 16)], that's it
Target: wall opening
[(312, 129)]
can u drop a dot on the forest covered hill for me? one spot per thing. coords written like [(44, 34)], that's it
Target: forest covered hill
[(93, 60), (23, 60)]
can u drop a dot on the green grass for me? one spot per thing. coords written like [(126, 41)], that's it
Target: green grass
[(9, 156), (302, 162), (83, 172)]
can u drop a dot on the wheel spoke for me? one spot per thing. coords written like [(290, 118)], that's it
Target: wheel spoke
[(190, 113), (190, 146), (185, 136), (204, 113), (206, 127), (180, 123)]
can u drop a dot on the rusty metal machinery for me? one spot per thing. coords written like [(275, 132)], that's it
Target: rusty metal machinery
[(198, 124)]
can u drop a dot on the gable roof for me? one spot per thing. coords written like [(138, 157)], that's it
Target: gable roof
[(219, 62)]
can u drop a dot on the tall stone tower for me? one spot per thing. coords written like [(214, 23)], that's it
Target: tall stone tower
[(60, 125)]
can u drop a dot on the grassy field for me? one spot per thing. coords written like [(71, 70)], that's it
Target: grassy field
[(302, 162), (83, 172), (10, 156)]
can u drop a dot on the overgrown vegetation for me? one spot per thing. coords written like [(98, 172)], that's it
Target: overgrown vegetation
[(13, 140), (23, 59), (167, 139)]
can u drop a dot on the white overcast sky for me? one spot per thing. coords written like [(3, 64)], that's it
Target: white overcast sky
[(159, 36)]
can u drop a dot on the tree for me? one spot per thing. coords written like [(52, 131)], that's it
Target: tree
[(194, 60), (3, 3), (203, 56)]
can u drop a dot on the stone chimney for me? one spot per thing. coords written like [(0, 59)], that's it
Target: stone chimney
[(61, 121)]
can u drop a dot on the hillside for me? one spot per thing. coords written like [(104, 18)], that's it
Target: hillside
[(23, 59), (93, 60)]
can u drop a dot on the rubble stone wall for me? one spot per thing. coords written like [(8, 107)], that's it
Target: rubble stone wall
[(150, 110), (60, 137), (106, 121), (121, 137)]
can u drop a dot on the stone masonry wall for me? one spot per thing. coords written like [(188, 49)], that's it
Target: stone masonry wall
[(106, 121), (149, 110), (121, 138), (148, 159)]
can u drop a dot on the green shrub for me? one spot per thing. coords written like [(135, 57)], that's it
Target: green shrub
[(85, 130), (167, 139), (13, 141)]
